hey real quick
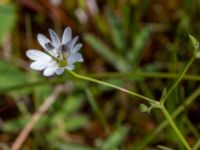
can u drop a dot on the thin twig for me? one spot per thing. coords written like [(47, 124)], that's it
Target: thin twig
[(36, 116)]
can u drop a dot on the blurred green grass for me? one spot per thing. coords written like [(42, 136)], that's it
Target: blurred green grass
[(120, 38)]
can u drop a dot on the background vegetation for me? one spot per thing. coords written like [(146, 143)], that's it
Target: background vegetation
[(140, 45)]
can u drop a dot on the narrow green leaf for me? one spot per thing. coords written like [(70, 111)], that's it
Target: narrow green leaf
[(8, 18), (103, 50), (116, 31), (115, 139), (139, 41), (99, 113), (75, 123), (70, 146), (11, 76), (72, 104), (14, 125)]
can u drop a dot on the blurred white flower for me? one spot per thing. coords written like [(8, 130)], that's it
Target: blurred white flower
[(55, 2), (59, 54)]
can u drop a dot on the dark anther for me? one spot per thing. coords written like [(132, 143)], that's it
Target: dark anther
[(49, 46), (64, 48)]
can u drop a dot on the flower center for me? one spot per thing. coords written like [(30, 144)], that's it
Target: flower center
[(62, 56), (62, 62)]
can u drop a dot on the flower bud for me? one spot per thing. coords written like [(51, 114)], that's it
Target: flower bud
[(143, 108), (195, 43)]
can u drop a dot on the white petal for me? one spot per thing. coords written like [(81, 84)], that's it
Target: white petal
[(50, 71), (75, 58), (43, 40), (60, 71), (72, 42), (70, 67), (54, 38), (38, 65), (67, 35), (38, 55), (76, 48)]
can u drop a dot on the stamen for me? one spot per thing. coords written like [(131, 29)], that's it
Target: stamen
[(49, 46), (64, 48)]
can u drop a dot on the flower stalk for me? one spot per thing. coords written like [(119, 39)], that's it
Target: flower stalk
[(115, 87)]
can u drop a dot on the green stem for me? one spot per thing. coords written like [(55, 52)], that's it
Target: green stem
[(178, 133), (180, 77), (115, 87)]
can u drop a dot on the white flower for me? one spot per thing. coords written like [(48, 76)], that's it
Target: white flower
[(59, 54)]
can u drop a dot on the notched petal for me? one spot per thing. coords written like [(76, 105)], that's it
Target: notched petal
[(76, 48), (60, 71), (38, 55), (75, 58), (67, 35), (49, 46), (73, 42), (37, 65), (50, 71), (54, 38), (42, 40)]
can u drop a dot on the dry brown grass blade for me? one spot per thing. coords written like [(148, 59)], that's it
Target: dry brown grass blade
[(36, 116)]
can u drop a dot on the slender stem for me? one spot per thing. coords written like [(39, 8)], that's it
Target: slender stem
[(162, 101), (178, 133), (114, 86)]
